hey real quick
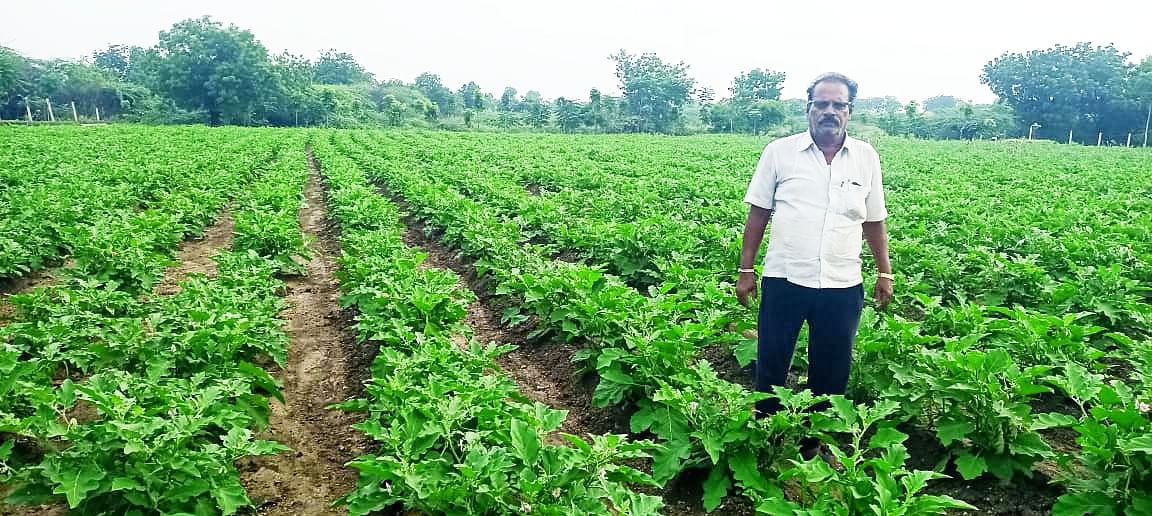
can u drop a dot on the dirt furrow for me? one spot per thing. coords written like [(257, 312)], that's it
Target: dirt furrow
[(197, 255), (544, 371), (321, 370)]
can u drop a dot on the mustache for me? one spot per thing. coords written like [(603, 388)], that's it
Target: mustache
[(829, 119)]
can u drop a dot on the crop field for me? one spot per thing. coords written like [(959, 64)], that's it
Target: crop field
[(254, 321)]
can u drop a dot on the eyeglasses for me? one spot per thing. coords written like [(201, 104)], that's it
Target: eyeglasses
[(823, 104)]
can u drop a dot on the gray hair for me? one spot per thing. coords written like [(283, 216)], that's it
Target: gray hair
[(835, 77)]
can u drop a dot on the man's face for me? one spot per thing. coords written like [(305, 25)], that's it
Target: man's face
[(829, 111)]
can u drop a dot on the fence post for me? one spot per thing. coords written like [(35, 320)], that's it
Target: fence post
[(28, 111), (1069, 137), (75, 118), (1099, 139), (1129, 139), (97, 113), (51, 117)]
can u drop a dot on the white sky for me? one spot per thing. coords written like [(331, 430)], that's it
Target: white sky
[(908, 49)]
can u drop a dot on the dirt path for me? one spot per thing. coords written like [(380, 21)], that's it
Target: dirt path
[(321, 370), (197, 255), (544, 371)]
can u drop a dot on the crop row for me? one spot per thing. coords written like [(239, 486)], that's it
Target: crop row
[(453, 436), (48, 204), (119, 401)]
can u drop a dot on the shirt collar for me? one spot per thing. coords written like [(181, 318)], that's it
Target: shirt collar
[(805, 141)]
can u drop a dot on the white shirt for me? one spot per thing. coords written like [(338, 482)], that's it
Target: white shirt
[(818, 209)]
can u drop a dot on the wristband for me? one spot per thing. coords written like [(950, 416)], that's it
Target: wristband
[(749, 271), (886, 276)]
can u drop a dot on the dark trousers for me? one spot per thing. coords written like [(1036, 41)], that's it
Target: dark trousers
[(833, 316)]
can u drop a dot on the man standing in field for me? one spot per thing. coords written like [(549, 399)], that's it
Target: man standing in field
[(823, 192)]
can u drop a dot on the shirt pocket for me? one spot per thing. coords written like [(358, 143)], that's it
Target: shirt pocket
[(852, 203)]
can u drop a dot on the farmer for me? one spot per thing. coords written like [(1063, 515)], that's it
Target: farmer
[(823, 191)]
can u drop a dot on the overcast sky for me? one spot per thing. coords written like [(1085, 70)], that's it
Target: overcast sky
[(900, 48)]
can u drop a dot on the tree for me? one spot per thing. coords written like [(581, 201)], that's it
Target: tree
[(1081, 87), (471, 96), (536, 110), (430, 85), (13, 74), (763, 114), (569, 114), (876, 106), (654, 91), (940, 103), (116, 59), (223, 71), (508, 100), (339, 68), (758, 84), (594, 112)]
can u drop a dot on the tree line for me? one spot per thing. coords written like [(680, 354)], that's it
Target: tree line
[(201, 71)]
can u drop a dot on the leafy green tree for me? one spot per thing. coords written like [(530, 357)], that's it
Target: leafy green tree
[(876, 106), (535, 109), (1079, 87), (508, 100), (654, 91), (116, 59), (432, 87), (594, 111), (758, 84), (569, 114), (221, 70), (471, 96), (13, 76), (763, 114), (339, 68), (940, 103)]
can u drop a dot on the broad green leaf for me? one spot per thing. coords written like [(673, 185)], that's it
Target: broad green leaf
[(667, 461), (746, 470), (230, 497), (948, 432), (716, 487), (1079, 504), (122, 483), (75, 484), (1030, 443), (525, 440), (971, 466), (885, 437), (642, 419), (1048, 420), (1142, 443)]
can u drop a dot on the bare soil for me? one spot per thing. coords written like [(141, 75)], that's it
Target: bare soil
[(322, 369), (1025, 496), (197, 255), (22, 285)]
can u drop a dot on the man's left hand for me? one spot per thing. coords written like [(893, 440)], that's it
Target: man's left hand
[(882, 294)]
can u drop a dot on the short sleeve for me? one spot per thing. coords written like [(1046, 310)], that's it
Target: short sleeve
[(877, 210), (762, 188)]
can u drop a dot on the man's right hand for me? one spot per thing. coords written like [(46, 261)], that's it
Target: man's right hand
[(746, 287)]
